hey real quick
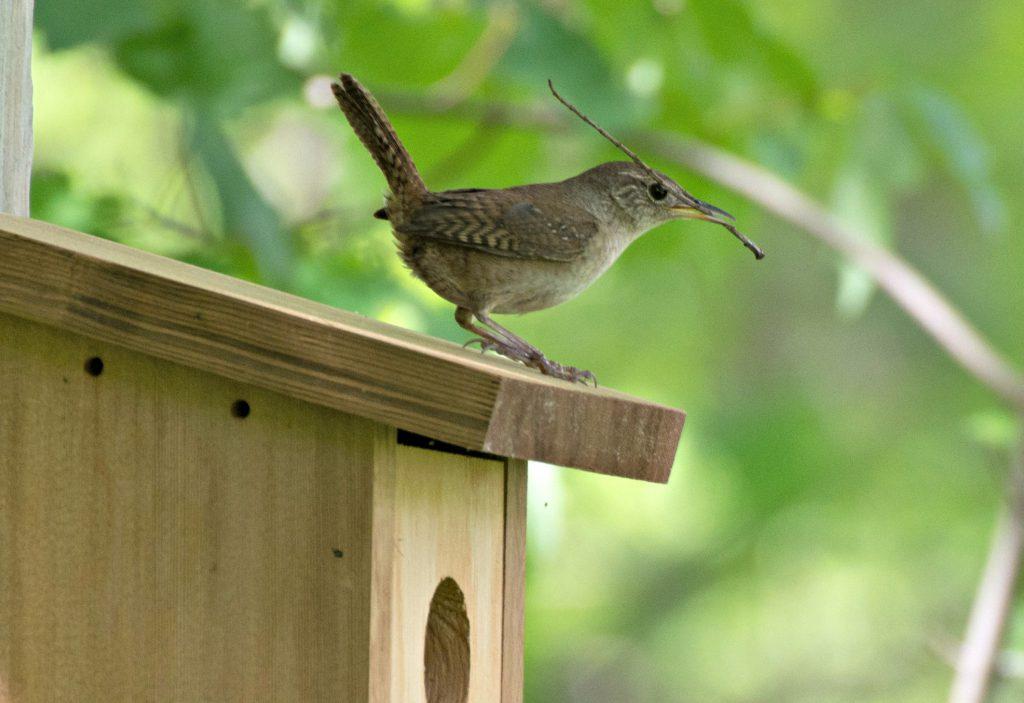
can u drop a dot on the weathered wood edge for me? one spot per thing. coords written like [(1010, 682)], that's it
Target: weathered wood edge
[(324, 355), (381, 651), (620, 437)]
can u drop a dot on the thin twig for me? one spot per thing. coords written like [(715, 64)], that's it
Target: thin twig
[(171, 224), (993, 602), (604, 133)]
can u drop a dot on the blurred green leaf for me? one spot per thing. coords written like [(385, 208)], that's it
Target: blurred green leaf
[(950, 133), (55, 199), (885, 145), (405, 48), (862, 197), (733, 36), (994, 428), (546, 47), (248, 218), (227, 256), (860, 203), (68, 24), (218, 54)]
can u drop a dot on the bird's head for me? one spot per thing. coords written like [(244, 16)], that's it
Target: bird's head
[(651, 198)]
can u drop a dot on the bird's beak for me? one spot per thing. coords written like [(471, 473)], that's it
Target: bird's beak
[(707, 212)]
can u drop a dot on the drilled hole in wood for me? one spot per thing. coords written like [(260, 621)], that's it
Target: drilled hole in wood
[(446, 659), (94, 366), (240, 409)]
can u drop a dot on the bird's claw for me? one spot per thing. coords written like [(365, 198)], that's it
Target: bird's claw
[(533, 358), (585, 377), (569, 373), (485, 345)]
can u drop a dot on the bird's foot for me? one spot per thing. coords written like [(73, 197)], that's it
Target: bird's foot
[(515, 353), (569, 373), (485, 344), (535, 359)]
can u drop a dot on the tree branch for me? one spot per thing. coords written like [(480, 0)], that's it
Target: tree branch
[(1009, 663), (977, 658)]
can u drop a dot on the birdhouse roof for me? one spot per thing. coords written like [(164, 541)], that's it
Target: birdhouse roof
[(326, 356)]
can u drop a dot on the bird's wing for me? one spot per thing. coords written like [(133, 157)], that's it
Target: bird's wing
[(502, 223)]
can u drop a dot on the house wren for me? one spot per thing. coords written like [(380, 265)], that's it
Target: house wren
[(515, 250)]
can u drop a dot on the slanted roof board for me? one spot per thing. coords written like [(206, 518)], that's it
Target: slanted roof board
[(325, 355)]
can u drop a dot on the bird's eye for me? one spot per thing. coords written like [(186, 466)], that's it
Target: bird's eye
[(657, 191)]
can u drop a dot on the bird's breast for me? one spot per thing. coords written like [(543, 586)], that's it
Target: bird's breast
[(537, 284), (482, 281)]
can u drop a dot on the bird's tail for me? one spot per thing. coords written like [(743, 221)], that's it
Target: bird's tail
[(375, 131)]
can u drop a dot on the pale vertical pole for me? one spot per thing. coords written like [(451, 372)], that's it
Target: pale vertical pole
[(15, 122), (15, 105)]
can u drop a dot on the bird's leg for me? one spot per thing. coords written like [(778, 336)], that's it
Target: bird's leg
[(486, 340), (508, 344), (513, 348), (510, 337), (532, 356)]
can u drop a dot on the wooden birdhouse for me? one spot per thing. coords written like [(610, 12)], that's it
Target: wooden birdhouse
[(214, 491)]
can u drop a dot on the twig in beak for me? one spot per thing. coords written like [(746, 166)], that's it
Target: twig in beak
[(758, 251), (702, 214)]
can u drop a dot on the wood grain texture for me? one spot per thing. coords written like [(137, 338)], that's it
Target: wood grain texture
[(619, 436), (326, 356), (15, 105), (383, 555), (153, 547), (513, 616), (445, 519)]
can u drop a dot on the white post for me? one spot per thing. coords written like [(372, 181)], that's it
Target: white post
[(15, 105)]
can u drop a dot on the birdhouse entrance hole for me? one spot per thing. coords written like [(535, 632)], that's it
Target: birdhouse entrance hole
[(446, 658)]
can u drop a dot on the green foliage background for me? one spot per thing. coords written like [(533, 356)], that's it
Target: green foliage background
[(838, 479)]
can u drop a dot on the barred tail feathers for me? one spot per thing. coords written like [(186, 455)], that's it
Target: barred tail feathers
[(374, 129)]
